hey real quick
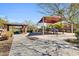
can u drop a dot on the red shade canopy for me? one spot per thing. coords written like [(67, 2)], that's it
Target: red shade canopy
[(50, 19)]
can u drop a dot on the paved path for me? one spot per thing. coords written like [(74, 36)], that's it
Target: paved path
[(22, 46), (57, 37)]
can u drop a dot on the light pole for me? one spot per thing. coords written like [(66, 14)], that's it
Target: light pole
[(43, 25), (72, 28)]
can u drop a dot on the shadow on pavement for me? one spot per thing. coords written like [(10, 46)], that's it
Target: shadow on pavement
[(38, 33)]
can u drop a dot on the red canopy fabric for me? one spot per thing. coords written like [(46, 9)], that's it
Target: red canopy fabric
[(50, 19)]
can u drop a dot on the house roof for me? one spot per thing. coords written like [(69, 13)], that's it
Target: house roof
[(50, 19)]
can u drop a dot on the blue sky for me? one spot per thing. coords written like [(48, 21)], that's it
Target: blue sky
[(20, 12)]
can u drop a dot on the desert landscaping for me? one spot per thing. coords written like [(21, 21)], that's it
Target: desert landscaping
[(53, 31)]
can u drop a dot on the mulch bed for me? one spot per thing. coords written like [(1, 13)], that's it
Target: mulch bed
[(5, 47)]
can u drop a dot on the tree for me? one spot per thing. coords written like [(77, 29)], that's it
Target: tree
[(31, 26), (51, 9), (68, 12), (72, 12), (2, 22)]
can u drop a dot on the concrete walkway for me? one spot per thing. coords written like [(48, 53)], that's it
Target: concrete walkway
[(22, 46), (60, 36)]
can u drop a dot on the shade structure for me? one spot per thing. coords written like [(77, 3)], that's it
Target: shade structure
[(50, 19)]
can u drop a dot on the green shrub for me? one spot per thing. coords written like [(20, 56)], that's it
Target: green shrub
[(30, 30), (77, 34), (47, 29), (58, 25), (17, 32), (73, 41)]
